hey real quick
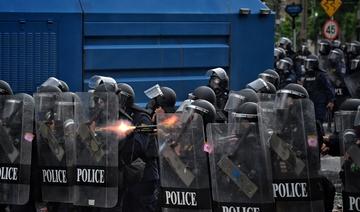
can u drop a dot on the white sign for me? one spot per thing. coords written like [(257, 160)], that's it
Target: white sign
[(331, 29)]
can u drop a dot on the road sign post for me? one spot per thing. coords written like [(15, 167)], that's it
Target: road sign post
[(293, 10)]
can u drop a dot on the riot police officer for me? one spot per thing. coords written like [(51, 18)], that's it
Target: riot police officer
[(324, 50), (287, 44), (348, 127), (284, 68), (162, 103), (5, 89), (271, 76), (201, 92), (279, 53), (240, 178), (179, 144), (320, 89), (219, 82), (337, 71), (54, 82), (352, 51), (141, 147), (299, 61), (295, 158), (237, 98)]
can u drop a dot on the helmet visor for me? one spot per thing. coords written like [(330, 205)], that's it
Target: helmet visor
[(234, 101)]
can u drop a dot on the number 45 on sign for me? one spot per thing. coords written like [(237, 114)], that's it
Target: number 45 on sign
[(331, 29)]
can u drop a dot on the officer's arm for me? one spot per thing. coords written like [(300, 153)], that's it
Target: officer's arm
[(329, 88)]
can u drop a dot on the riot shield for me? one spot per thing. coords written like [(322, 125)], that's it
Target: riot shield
[(95, 151), (288, 127), (55, 130), (265, 97), (240, 168), (353, 84), (16, 131), (348, 130), (183, 163)]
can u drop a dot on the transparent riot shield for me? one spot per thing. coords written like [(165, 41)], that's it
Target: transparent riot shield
[(288, 127), (16, 131), (95, 151), (183, 163), (265, 97), (56, 131), (349, 133), (240, 168), (234, 101), (353, 84)]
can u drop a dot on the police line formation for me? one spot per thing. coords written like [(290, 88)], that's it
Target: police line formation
[(253, 150)]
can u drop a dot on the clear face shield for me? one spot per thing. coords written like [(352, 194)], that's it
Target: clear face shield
[(11, 107), (258, 85), (154, 92), (304, 49), (352, 48), (324, 48), (334, 57), (241, 121), (310, 65), (354, 64), (283, 65), (96, 80), (284, 99), (234, 101), (123, 99), (190, 112), (277, 54), (269, 78)]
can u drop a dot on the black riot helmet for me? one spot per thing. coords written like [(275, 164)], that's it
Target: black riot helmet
[(296, 91), (167, 100), (284, 65), (97, 80), (261, 86), (126, 95), (311, 63), (336, 56), (203, 108), (324, 47), (64, 86), (5, 88), (219, 79), (291, 91), (350, 105), (355, 64), (285, 43), (271, 76), (304, 50), (246, 111), (54, 82), (336, 44), (237, 98), (203, 92), (279, 53), (106, 87), (353, 48)]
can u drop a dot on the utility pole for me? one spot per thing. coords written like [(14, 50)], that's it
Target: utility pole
[(304, 19)]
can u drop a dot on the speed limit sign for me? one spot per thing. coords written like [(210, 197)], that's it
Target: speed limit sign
[(331, 29)]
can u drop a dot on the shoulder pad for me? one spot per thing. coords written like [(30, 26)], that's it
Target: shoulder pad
[(137, 108)]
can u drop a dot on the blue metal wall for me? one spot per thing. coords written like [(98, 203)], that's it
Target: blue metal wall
[(39, 39), (140, 42)]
